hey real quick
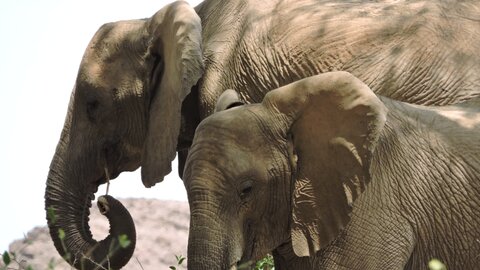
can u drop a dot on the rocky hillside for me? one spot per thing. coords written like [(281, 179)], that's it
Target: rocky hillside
[(162, 233)]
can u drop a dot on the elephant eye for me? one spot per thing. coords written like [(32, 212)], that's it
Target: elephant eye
[(246, 189)]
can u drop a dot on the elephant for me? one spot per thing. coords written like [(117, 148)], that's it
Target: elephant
[(143, 86), (329, 175)]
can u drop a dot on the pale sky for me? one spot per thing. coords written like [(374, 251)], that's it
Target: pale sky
[(41, 45)]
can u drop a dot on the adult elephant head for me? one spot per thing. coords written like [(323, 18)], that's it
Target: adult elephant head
[(124, 112)]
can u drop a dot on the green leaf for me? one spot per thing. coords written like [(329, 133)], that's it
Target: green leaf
[(265, 263), (67, 256), (436, 264), (51, 215), (173, 267), (51, 264), (29, 267), (180, 259), (6, 258), (123, 241), (61, 234)]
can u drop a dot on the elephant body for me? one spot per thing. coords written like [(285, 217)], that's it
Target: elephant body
[(422, 202), (422, 52), (420, 169), (429, 159), (143, 86)]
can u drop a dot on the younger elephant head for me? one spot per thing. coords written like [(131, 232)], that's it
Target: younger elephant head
[(258, 176), (124, 112)]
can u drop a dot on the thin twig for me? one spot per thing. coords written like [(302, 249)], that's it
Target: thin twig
[(138, 261), (107, 176), (94, 262)]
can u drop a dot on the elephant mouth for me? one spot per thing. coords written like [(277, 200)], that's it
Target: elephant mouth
[(249, 247), (118, 157), (243, 264), (93, 188), (107, 175), (247, 262)]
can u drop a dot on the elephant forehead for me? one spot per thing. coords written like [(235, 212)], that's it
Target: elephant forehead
[(232, 143), (102, 76), (237, 128), (114, 37), (230, 162), (211, 163), (114, 52)]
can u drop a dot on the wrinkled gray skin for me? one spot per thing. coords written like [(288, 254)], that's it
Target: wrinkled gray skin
[(138, 98), (324, 168)]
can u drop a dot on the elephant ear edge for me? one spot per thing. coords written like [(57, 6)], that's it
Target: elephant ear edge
[(335, 120), (176, 33), (228, 99)]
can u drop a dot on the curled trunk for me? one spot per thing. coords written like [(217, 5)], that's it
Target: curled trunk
[(68, 214)]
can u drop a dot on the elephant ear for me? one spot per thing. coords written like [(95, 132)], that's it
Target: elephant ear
[(175, 32), (333, 124), (228, 99)]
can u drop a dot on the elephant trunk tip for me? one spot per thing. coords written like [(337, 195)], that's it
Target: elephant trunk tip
[(103, 204), (122, 228)]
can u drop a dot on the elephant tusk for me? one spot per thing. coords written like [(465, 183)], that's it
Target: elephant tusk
[(107, 176)]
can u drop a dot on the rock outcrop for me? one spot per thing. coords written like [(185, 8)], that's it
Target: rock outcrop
[(162, 233)]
